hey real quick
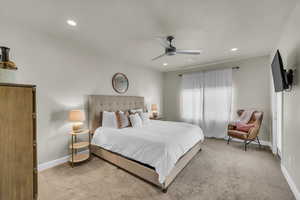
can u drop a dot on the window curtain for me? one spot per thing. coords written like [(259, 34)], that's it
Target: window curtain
[(192, 98), (206, 99)]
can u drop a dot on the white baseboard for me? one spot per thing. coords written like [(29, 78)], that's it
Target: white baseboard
[(262, 142), (56, 162), (291, 182)]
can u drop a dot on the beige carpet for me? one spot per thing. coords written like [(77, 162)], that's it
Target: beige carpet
[(219, 171)]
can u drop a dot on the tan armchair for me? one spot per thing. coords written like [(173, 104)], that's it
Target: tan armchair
[(252, 134)]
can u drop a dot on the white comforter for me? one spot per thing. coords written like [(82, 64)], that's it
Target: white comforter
[(159, 144)]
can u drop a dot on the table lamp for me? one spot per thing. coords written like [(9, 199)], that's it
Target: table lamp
[(154, 110), (78, 117)]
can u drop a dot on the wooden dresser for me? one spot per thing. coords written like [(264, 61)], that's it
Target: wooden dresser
[(18, 161)]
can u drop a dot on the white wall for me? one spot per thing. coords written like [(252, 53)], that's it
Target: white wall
[(289, 47), (64, 73), (251, 86)]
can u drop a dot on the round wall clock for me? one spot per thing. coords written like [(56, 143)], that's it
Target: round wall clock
[(120, 83)]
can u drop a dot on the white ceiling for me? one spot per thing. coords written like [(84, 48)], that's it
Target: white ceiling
[(125, 29)]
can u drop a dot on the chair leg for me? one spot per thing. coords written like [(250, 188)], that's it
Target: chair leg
[(245, 145), (228, 140), (258, 142)]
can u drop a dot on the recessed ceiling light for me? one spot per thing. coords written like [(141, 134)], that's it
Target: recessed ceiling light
[(165, 64), (71, 22), (234, 49)]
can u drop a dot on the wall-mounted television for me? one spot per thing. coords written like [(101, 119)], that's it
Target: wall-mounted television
[(282, 79)]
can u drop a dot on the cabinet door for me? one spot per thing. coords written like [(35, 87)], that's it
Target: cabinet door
[(16, 143)]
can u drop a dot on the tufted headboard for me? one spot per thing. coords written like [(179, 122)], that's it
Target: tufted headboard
[(99, 103)]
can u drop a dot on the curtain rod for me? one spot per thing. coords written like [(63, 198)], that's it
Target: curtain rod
[(234, 68)]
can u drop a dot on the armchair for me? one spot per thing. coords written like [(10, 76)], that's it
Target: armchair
[(252, 134)]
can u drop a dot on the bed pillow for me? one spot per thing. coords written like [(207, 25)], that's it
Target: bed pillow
[(122, 119), (109, 119), (139, 110), (135, 120), (145, 117)]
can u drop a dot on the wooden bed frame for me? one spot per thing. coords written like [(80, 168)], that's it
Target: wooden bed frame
[(98, 103)]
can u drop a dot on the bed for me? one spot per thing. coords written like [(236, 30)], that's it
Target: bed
[(156, 152)]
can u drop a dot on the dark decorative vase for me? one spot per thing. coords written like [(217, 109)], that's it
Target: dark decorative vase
[(5, 63), (5, 54)]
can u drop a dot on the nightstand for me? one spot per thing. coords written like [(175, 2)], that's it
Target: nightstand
[(157, 118), (75, 146)]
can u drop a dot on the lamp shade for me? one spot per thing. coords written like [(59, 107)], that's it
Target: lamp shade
[(76, 116), (154, 107)]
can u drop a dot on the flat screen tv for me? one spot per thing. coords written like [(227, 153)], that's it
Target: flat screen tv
[(279, 74)]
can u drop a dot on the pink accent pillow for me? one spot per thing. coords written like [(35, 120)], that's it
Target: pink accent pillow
[(244, 127)]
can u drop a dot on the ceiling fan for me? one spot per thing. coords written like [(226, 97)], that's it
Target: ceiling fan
[(170, 50)]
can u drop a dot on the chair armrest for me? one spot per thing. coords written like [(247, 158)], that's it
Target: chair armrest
[(253, 132)]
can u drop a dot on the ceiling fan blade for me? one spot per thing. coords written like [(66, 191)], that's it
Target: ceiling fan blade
[(163, 42), (190, 52), (159, 56)]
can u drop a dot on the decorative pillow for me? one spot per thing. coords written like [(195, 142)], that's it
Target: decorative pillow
[(109, 119), (244, 127), (139, 110), (145, 117), (136, 120), (122, 119)]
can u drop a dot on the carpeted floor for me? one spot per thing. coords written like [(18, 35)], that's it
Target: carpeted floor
[(219, 171)]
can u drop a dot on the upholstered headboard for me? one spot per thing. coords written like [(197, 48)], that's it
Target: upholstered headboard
[(99, 103)]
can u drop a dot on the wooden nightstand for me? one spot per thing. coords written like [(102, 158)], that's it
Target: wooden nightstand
[(157, 118), (75, 146)]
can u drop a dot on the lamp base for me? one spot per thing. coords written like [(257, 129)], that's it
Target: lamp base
[(155, 115), (8, 65), (77, 127)]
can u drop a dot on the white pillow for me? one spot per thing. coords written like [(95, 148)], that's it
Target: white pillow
[(109, 120), (145, 117), (136, 120)]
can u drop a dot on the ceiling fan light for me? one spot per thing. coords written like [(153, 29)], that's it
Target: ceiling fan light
[(171, 50)]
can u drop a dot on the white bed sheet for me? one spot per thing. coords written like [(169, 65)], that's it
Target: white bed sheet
[(159, 144)]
